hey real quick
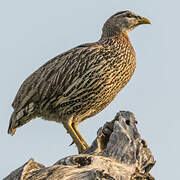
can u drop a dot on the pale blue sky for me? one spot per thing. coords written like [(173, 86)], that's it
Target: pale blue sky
[(32, 32)]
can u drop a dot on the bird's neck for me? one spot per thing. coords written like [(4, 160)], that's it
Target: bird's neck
[(115, 39), (117, 45), (110, 31)]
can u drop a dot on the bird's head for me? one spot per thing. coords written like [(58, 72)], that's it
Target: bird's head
[(123, 21)]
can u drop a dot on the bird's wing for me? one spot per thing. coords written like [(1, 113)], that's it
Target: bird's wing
[(57, 75)]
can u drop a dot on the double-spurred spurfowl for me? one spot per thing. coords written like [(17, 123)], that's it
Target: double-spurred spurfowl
[(81, 82)]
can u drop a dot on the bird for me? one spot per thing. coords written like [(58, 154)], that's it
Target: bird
[(80, 82)]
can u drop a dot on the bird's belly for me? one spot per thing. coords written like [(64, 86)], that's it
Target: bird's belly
[(51, 116), (110, 90)]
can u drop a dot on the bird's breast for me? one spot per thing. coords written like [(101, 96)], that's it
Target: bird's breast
[(118, 66)]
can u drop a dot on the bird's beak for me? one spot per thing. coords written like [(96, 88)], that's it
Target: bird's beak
[(144, 20)]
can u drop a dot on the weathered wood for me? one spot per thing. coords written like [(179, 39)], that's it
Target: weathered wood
[(118, 153)]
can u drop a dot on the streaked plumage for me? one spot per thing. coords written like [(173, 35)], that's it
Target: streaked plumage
[(81, 82)]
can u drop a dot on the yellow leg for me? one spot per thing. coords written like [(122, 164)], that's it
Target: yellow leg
[(79, 135), (74, 133)]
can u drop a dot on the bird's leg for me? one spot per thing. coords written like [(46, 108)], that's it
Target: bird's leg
[(77, 138), (79, 135)]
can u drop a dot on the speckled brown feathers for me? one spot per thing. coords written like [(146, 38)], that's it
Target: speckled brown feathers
[(86, 77), (78, 83)]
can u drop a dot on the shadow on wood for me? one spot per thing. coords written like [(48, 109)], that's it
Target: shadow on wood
[(118, 153)]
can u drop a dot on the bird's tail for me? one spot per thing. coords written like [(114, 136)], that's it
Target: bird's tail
[(22, 117), (12, 122)]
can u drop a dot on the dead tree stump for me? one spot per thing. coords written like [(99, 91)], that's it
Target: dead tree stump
[(118, 153)]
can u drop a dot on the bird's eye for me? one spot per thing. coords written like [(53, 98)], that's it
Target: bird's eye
[(129, 15)]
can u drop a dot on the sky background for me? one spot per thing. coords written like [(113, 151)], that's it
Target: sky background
[(32, 32)]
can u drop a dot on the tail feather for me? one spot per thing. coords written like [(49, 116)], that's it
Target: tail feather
[(12, 129), (21, 117)]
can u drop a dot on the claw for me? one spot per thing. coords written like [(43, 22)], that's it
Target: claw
[(71, 143)]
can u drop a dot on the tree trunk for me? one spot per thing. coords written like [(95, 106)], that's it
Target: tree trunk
[(118, 153)]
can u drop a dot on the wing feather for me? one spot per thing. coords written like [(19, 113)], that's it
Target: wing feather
[(56, 76)]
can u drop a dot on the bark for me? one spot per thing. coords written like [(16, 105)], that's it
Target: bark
[(118, 153)]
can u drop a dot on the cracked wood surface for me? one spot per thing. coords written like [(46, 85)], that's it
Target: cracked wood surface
[(118, 153)]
